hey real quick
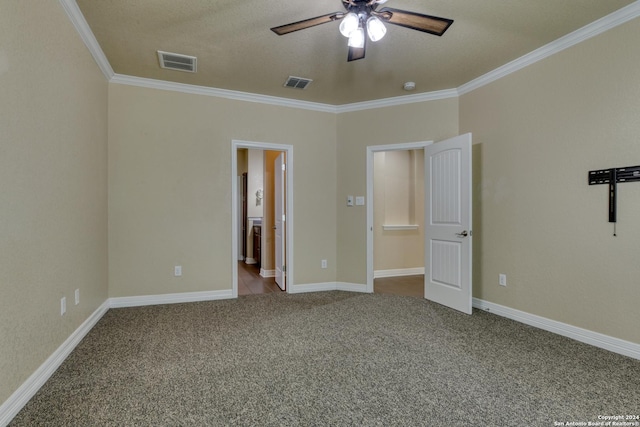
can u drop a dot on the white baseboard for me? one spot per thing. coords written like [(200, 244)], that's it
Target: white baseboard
[(596, 339), (169, 298), (312, 287), (250, 260), (328, 286), (267, 273), (351, 287), (398, 272), (30, 387)]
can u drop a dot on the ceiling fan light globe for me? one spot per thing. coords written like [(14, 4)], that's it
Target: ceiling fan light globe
[(356, 39), (349, 23), (375, 29)]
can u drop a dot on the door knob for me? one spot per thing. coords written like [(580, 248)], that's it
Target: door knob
[(274, 227), (463, 234)]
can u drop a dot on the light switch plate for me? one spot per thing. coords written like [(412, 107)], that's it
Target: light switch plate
[(359, 200), (349, 200)]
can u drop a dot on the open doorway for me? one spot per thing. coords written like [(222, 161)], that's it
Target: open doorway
[(398, 222), (262, 217), (395, 216), (448, 219), (376, 227)]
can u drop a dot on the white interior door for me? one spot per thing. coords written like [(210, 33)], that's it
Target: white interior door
[(447, 278), (279, 220)]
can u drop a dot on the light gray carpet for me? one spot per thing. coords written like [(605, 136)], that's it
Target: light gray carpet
[(328, 359)]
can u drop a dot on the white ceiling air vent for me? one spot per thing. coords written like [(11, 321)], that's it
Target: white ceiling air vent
[(178, 62), (297, 82)]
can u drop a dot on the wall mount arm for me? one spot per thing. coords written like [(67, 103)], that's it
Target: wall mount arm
[(612, 177)]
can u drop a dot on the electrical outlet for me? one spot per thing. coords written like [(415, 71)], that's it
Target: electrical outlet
[(323, 263), (63, 306), (502, 280), (177, 271)]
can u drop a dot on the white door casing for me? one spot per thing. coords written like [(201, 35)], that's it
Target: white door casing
[(280, 220), (288, 200), (369, 170), (448, 234)]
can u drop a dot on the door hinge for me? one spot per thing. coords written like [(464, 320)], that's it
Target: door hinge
[(284, 166), (284, 268)]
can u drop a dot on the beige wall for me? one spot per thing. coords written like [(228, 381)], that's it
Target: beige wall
[(398, 193), (537, 134), (426, 121), (242, 167), (268, 221), (255, 206), (53, 203), (170, 188), (243, 161), (255, 182)]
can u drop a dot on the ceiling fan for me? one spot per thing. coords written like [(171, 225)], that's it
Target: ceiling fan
[(363, 17)]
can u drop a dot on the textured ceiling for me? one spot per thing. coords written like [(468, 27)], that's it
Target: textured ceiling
[(237, 51)]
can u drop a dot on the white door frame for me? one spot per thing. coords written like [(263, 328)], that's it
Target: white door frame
[(235, 145), (370, 150), (279, 167)]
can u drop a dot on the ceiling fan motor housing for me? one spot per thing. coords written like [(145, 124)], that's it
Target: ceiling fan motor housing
[(362, 8)]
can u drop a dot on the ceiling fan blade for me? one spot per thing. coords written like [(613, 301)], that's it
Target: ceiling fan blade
[(415, 21), (356, 53), (307, 23)]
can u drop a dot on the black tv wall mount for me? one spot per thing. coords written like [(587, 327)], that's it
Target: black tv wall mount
[(612, 177)]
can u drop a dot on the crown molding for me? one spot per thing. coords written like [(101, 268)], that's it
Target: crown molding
[(282, 102), (81, 26), (220, 93), (397, 100), (608, 22), (603, 24)]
